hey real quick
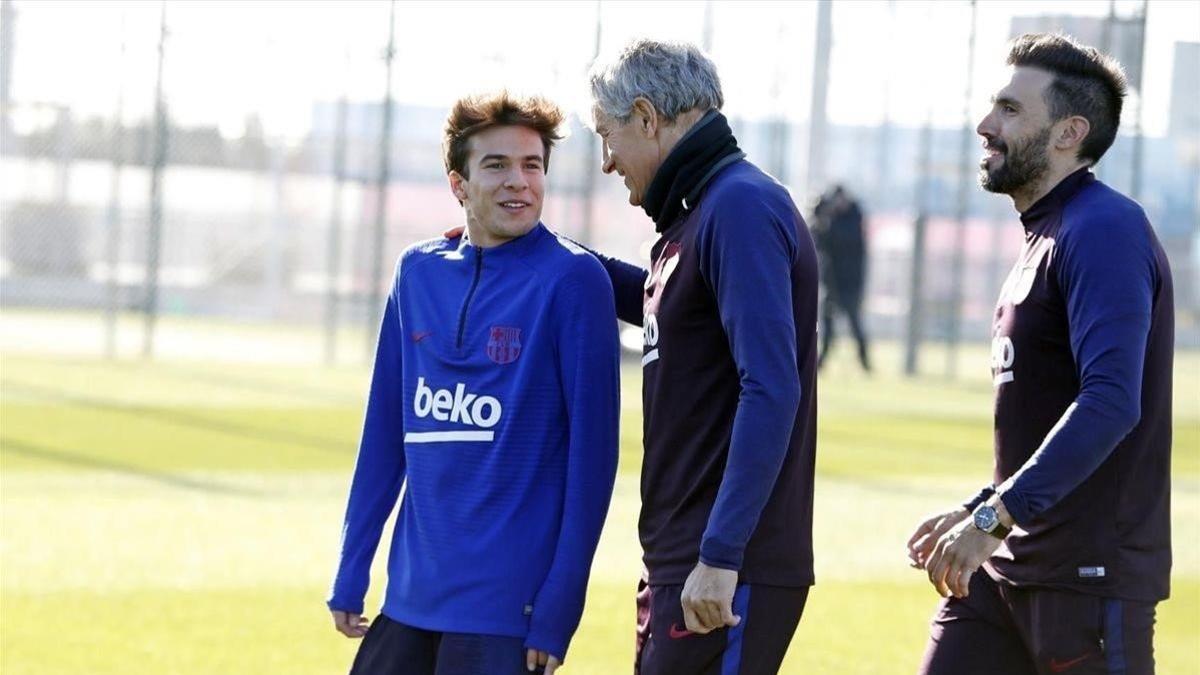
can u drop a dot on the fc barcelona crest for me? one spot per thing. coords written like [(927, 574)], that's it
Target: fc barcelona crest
[(504, 344)]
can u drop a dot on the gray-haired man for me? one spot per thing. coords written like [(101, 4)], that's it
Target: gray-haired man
[(729, 312)]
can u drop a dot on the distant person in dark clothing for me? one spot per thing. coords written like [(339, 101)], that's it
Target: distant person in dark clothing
[(838, 233)]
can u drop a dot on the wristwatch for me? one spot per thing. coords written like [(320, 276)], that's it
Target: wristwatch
[(987, 520)]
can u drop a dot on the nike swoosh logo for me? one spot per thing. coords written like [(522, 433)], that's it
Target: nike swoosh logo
[(1057, 666), (678, 633), (419, 335)]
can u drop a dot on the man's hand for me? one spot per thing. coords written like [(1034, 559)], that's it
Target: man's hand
[(957, 555), (922, 541), (349, 624), (707, 599), (535, 658), (453, 232)]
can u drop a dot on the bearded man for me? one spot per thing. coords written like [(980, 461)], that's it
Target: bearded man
[(1073, 533)]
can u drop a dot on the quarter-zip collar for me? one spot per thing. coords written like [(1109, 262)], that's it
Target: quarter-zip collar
[(511, 249), (1056, 198)]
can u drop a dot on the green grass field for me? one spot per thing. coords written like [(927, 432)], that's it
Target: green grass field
[(182, 517)]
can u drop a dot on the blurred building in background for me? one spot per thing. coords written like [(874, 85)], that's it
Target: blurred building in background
[(269, 213)]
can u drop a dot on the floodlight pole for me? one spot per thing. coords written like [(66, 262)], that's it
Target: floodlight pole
[(706, 35), (590, 160), (884, 161), (334, 248), (385, 155), (154, 241), (1107, 42), (916, 292), (777, 153), (8, 17), (820, 89), (1135, 185), (954, 322), (113, 219)]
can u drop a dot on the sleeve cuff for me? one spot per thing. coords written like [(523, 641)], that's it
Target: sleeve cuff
[(546, 641), (984, 495), (342, 605), (721, 556), (1017, 505)]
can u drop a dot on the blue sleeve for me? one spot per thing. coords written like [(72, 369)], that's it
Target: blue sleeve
[(588, 362), (746, 254), (1107, 274), (378, 472), (628, 283)]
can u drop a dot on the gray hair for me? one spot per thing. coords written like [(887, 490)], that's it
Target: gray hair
[(674, 76)]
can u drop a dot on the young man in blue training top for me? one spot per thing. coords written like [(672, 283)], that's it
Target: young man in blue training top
[(1073, 534), (494, 402), (729, 312)]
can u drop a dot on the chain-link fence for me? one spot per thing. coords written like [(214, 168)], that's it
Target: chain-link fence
[(143, 200)]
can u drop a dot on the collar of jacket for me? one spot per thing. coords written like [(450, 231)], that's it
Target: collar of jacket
[(705, 149)]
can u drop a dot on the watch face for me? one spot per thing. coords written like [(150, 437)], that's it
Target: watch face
[(985, 518)]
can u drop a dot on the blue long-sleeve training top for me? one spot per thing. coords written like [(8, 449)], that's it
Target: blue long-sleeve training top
[(495, 402), (1082, 351), (728, 313)]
